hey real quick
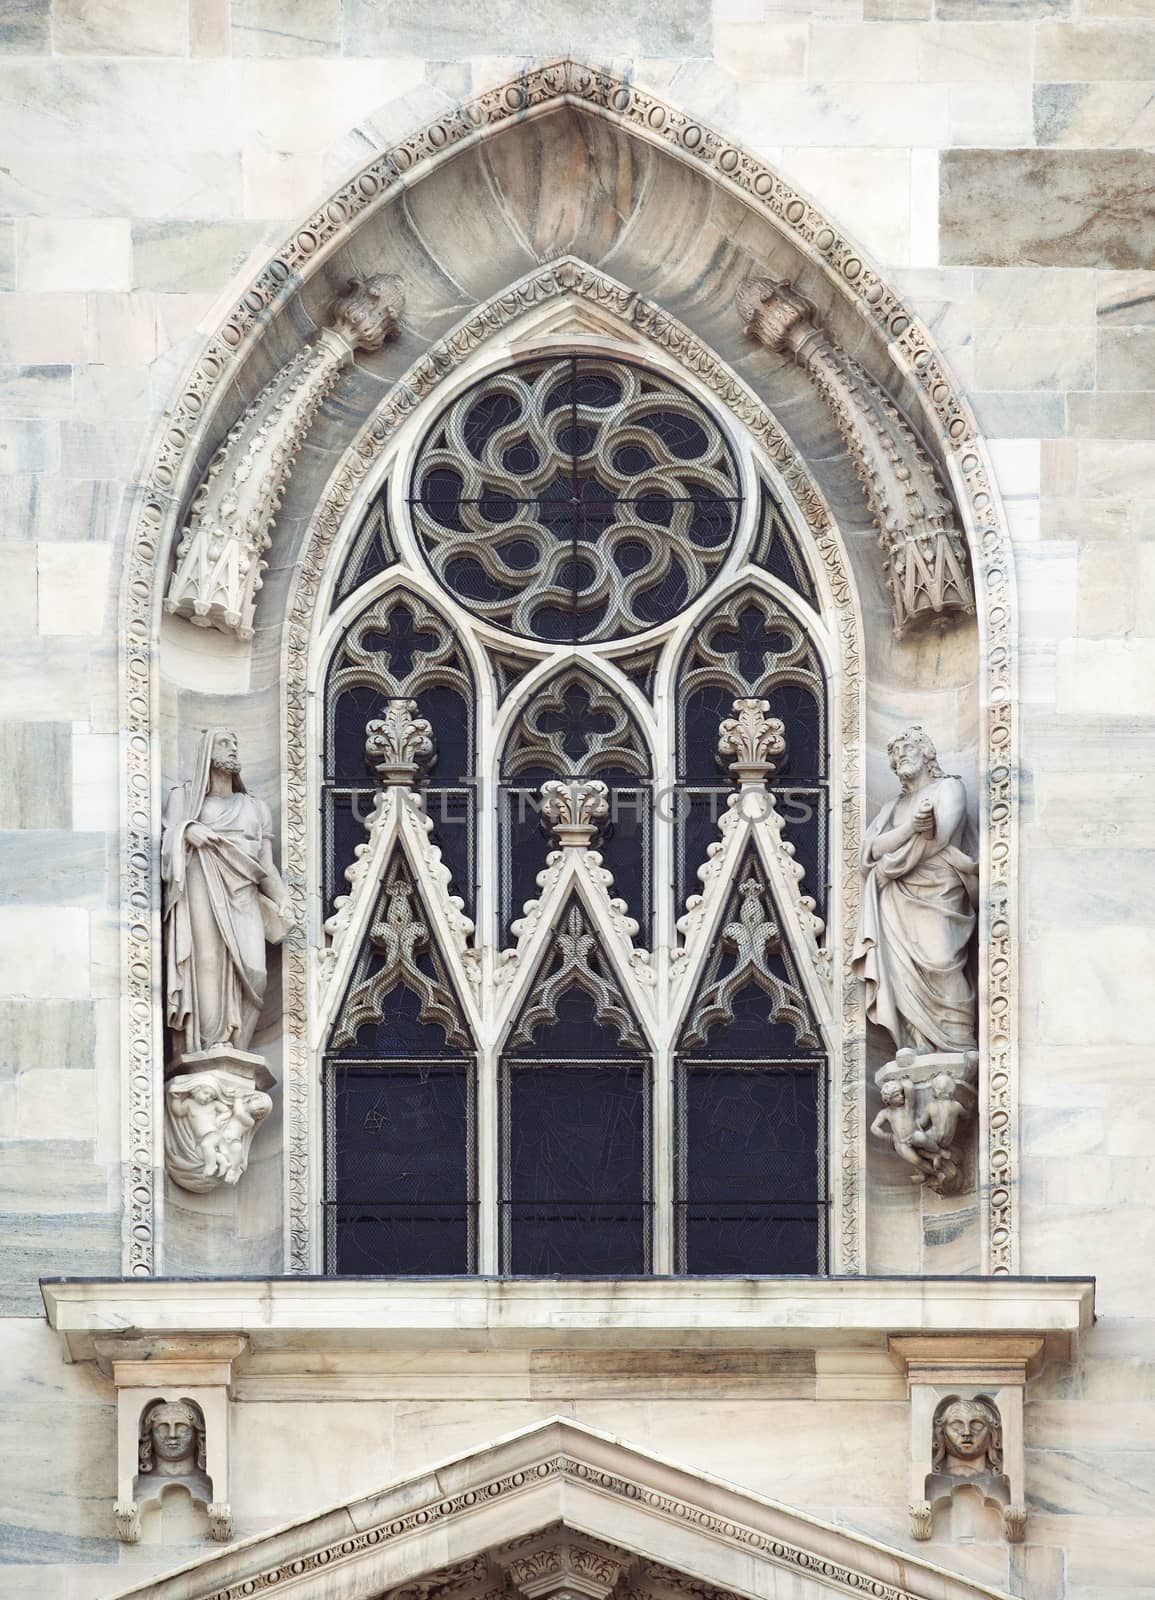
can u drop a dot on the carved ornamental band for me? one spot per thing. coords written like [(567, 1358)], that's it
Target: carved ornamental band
[(923, 551)]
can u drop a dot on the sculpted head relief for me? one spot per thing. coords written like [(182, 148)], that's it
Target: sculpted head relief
[(172, 1439), (913, 757), (967, 1436)]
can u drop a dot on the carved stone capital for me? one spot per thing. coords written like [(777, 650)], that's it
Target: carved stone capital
[(229, 527), (753, 740), (924, 556), (399, 746), (566, 1570), (776, 315), (366, 314), (220, 1521), (573, 809)]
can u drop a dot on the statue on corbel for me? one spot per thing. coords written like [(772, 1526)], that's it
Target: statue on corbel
[(912, 953), (224, 902), (219, 558), (924, 557)]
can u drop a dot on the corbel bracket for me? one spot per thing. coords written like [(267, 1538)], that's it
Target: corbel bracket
[(966, 1421), (173, 1395)]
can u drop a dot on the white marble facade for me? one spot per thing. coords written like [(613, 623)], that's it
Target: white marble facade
[(989, 159)]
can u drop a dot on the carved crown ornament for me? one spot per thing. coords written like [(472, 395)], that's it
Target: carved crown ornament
[(620, 103), (924, 555)]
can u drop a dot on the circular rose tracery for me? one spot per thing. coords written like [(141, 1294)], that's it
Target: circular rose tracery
[(575, 498)]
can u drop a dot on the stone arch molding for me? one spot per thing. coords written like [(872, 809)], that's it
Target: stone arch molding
[(236, 359), (561, 1509)]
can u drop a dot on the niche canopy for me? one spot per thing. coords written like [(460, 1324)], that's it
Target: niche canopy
[(576, 498)]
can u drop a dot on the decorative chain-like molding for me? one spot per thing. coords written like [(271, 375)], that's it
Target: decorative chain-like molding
[(204, 391)]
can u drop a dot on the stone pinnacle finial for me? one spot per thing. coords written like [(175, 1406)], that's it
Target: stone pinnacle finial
[(574, 809)]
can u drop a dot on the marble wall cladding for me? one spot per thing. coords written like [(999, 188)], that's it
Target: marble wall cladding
[(996, 158)]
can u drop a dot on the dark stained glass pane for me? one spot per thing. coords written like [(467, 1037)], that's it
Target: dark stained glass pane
[(751, 1197), (576, 1180), (400, 1171)]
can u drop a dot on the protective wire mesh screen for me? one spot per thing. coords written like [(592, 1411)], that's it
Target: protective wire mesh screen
[(400, 1170), (575, 1190), (751, 1191), (578, 498)]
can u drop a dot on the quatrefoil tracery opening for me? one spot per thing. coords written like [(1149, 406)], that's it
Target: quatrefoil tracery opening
[(577, 498)]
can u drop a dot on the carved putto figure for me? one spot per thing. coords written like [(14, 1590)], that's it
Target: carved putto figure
[(923, 1138), (210, 1120), (918, 907), (224, 900)]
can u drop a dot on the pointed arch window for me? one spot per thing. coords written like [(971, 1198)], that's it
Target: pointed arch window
[(575, 1001)]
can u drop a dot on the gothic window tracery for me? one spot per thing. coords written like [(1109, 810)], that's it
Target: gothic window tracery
[(575, 725), (576, 499), (750, 646), (588, 802), (399, 647)]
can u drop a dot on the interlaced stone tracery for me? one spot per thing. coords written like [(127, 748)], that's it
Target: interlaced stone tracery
[(579, 498)]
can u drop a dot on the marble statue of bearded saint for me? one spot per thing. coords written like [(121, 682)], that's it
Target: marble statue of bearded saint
[(223, 901), (918, 906)]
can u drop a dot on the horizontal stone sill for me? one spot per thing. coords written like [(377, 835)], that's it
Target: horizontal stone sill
[(521, 1313)]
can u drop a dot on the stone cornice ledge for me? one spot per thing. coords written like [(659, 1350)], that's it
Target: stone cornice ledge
[(495, 1313)]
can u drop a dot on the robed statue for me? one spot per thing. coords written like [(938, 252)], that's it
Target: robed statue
[(224, 901), (919, 897)]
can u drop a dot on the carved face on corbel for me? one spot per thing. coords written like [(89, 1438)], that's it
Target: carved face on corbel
[(967, 1436), (172, 1439)]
